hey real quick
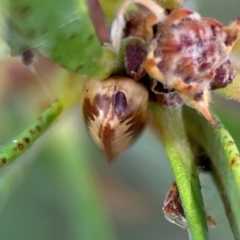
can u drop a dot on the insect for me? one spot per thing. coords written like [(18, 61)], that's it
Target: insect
[(173, 210), (115, 112), (185, 52)]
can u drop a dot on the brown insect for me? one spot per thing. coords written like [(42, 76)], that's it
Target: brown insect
[(173, 210), (186, 52), (115, 112), (172, 207)]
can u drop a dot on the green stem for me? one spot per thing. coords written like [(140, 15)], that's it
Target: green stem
[(172, 132), (224, 155), (24, 140)]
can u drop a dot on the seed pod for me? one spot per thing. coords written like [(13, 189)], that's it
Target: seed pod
[(115, 112)]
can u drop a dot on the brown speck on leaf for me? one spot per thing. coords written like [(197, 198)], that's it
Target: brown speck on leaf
[(90, 37), (233, 161), (26, 140), (73, 35), (20, 146), (230, 143), (32, 131), (38, 128), (78, 68), (3, 161), (22, 11)]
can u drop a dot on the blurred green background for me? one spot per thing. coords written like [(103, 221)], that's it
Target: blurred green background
[(57, 178)]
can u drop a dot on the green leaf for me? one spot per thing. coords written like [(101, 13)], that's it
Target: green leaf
[(60, 29), (172, 132), (220, 147)]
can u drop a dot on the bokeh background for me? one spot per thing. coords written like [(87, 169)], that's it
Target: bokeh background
[(44, 195)]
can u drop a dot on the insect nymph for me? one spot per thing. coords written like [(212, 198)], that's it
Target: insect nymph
[(186, 54), (115, 112)]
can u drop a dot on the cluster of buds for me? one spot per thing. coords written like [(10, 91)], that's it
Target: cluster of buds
[(171, 57), (186, 53)]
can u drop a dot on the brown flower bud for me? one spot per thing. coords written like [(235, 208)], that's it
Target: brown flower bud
[(185, 52), (115, 112)]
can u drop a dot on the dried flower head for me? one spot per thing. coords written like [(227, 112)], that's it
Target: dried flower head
[(185, 52), (173, 210)]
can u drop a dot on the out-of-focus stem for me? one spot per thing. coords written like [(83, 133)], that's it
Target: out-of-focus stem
[(171, 128), (24, 140)]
